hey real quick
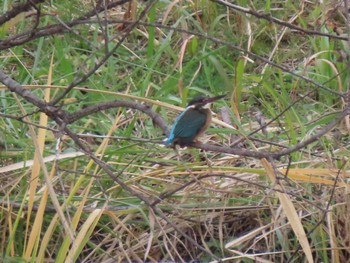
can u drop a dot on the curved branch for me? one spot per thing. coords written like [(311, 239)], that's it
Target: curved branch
[(33, 34), (62, 117), (17, 88), (16, 10), (157, 119), (59, 28), (268, 17)]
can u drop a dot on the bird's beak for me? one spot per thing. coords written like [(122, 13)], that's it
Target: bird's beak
[(210, 100)]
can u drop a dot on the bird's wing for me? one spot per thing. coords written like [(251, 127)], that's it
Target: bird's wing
[(189, 124)]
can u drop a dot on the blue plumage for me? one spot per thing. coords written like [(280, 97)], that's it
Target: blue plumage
[(186, 126), (192, 122)]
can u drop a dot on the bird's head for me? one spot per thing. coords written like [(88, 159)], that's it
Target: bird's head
[(203, 102)]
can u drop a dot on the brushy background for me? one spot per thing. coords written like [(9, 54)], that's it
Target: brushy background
[(287, 71)]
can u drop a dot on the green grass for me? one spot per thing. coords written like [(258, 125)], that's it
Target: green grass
[(217, 198)]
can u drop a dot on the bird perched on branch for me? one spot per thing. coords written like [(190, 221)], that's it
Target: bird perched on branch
[(192, 122)]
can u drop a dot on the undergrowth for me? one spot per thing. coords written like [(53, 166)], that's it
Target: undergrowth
[(227, 204)]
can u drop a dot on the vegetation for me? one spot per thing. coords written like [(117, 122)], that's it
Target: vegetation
[(84, 177)]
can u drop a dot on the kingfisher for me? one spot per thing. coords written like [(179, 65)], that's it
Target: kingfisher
[(192, 122)]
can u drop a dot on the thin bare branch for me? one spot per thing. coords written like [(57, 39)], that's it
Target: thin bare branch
[(157, 119), (126, 32), (268, 17), (17, 9)]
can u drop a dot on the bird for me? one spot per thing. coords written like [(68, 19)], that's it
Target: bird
[(192, 122)]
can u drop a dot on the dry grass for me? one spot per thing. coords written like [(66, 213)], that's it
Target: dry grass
[(59, 205)]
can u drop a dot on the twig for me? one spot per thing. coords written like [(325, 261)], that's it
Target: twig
[(16, 10), (156, 118), (268, 17), (126, 32)]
